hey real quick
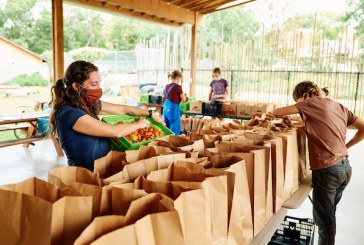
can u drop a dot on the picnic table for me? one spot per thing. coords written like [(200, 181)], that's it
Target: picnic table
[(26, 122)]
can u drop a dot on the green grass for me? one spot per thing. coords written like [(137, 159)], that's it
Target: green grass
[(7, 135)]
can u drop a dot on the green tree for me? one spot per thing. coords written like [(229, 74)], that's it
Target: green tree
[(42, 40), (225, 22), (17, 20), (331, 24), (356, 15)]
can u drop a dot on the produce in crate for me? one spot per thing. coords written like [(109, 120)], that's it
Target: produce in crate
[(144, 134)]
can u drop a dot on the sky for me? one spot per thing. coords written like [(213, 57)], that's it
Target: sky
[(266, 11)]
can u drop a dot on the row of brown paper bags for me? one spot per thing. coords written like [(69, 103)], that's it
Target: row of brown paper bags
[(113, 200), (193, 124)]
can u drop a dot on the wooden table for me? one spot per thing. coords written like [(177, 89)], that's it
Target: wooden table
[(187, 113), (28, 123), (157, 106)]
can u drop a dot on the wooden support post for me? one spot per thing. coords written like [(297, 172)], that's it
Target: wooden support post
[(194, 45), (58, 39)]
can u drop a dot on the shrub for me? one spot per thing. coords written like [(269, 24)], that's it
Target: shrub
[(25, 80), (89, 54)]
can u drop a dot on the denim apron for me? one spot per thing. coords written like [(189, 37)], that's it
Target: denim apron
[(171, 113)]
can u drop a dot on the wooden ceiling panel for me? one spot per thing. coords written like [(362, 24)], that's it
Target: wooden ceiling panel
[(169, 12)]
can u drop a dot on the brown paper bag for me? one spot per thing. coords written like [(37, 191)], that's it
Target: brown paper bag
[(277, 172), (255, 166), (35, 208), (150, 230), (144, 167), (291, 162), (195, 136), (109, 165), (191, 208), (216, 191), (125, 235), (69, 175), (240, 223), (195, 124), (277, 166), (140, 207), (239, 209), (86, 183), (303, 153), (146, 152)]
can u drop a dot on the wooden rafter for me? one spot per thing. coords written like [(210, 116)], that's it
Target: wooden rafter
[(212, 5), (216, 4), (157, 8), (189, 4), (116, 9), (248, 1)]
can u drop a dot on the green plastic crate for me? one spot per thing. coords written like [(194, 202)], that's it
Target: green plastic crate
[(144, 98), (185, 106), (122, 144)]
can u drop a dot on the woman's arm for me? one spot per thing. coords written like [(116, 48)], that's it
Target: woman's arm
[(226, 91), (183, 97), (359, 136), (123, 109), (130, 110), (93, 127), (210, 94), (284, 111)]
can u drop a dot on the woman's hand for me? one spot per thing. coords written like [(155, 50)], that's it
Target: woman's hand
[(157, 118), (125, 129), (142, 123)]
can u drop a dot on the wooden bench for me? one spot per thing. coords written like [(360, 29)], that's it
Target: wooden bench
[(14, 127), (21, 141), (27, 122)]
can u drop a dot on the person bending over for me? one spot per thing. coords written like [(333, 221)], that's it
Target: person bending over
[(326, 123)]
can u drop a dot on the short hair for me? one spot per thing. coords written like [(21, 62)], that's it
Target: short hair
[(176, 74), (216, 70)]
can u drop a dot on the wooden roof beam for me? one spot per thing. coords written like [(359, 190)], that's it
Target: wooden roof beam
[(216, 8), (158, 8), (206, 4), (120, 10), (194, 4)]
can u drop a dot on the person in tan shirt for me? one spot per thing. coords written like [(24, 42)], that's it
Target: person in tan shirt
[(326, 122)]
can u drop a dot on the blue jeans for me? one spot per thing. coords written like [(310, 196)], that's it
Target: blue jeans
[(328, 186), (172, 116)]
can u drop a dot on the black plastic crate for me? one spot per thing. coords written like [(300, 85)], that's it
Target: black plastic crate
[(209, 109), (156, 99), (294, 231)]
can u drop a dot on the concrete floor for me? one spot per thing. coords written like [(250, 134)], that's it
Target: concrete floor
[(18, 163)]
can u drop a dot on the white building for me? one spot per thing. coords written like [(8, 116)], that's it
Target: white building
[(16, 60)]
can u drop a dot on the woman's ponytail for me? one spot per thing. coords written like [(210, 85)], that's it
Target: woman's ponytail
[(325, 90), (57, 93), (308, 89)]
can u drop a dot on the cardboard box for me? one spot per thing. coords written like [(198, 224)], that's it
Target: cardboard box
[(196, 107), (262, 108), (228, 109), (244, 109)]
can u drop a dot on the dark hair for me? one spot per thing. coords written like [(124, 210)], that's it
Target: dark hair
[(176, 74), (216, 70), (64, 94), (308, 89)]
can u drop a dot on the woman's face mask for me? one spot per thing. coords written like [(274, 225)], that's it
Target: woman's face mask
[(91, 96), (216, 76)]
